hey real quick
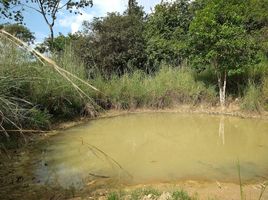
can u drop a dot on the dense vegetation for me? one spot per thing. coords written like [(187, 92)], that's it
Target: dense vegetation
[(184, 52)]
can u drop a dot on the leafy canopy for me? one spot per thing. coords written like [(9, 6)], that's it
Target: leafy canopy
[(115, 43), (218, 37), (166, 31), (20, 32)]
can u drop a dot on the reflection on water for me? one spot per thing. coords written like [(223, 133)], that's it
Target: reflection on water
[(142, 148), (221, 130)]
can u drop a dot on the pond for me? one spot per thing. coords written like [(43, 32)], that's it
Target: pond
[(156, 147)]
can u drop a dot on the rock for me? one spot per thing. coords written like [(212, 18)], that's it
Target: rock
[(165, 196)]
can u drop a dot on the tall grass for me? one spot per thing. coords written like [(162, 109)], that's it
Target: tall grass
[(166, 88), (32, 95), (252, 98), (265, 92)]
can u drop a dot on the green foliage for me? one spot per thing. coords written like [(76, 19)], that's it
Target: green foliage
[(113, 196), (181, 195), (20, 32), (58, 44), (32, 94), (114, 43), (218, 37), (52, 92), (166, 32), (48, 9), (166, 88), (7, 11), (252, 98), (265, 92)]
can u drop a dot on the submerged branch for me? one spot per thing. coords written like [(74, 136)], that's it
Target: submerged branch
[(109, 158)]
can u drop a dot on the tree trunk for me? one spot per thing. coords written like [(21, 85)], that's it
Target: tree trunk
[(222, 79), (51, 33)]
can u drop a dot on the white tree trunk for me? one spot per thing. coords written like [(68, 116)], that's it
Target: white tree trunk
[(222, 79)]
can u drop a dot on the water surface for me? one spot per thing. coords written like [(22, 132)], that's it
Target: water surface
[(144, 148)]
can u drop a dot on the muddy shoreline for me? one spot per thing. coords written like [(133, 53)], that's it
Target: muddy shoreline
[(231, 110)]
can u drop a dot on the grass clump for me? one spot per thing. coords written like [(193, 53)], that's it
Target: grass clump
[(252, 98), (181, 195), (113, 196)]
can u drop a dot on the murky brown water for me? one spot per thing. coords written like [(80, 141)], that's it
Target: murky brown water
[(142, 148)]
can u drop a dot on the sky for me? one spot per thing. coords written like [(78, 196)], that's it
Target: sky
[(71, 23)]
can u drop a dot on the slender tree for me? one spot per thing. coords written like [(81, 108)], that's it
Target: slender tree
[(13, 9), (219, 38)]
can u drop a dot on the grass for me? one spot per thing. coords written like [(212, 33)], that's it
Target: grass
[(242, 194), (265, 92), (252, 98), (33, 95), (166, 88), (148, 193)]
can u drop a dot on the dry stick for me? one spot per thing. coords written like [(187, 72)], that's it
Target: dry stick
[(263, 190), (107, 156), (21, 44), (41, 57), (1, 122), (60, 70), (24, 131), (48, 60)]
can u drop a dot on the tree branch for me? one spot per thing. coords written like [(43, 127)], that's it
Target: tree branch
[(64, 4), (31, 8), (40, 3)]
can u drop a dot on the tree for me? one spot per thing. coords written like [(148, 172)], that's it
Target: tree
[(58, 44), (218, 37), (257, 23), (115, 43), (20, 32), (166, 31), (13, 9), (7, 11)]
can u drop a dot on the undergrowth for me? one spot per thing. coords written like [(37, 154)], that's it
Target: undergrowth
[(165, 88), (34, 95)]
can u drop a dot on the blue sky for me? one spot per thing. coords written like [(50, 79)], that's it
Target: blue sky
[(67, 22)]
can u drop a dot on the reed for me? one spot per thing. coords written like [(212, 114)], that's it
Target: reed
[(35, 90)]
